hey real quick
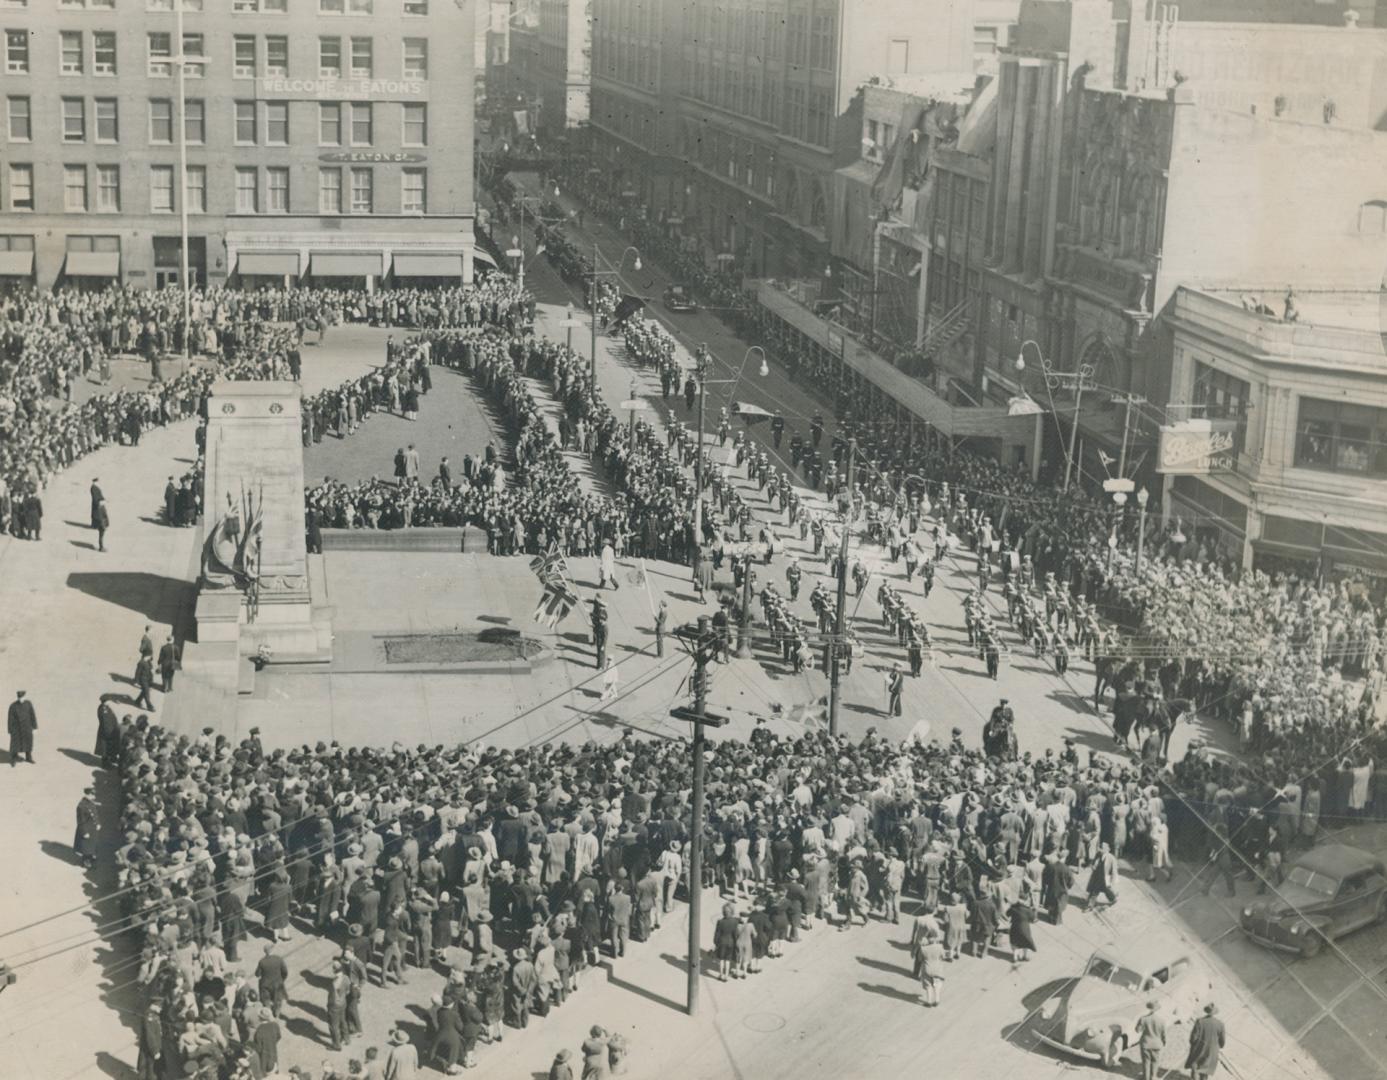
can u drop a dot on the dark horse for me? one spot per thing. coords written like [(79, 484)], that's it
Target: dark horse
[(1134, 711), (1115, 672)]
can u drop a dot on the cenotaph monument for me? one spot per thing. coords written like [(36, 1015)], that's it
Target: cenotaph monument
[(256, 596)]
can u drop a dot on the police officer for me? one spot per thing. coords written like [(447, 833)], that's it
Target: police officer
[(816, 429), (777, 429), (599, 632), (793, 573), (916, 653)]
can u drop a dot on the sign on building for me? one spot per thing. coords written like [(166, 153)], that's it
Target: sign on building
[(332, 88), (1197, 447)]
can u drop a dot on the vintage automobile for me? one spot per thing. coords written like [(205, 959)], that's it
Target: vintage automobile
[(679, 298), (1327, 892), (1095, 1015)]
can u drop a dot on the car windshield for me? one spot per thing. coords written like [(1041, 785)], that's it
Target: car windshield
[(1108, 972), (677, 290), (1309, 879)]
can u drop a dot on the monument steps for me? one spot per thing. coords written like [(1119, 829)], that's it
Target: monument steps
[(465, 540)]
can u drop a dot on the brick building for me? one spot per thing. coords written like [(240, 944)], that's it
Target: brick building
[(325, 140)]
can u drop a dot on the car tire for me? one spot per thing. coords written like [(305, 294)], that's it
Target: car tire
[(1313, 944), (1112, 1056)]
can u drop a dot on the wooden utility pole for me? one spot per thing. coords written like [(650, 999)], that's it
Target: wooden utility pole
[(704, 647), (839, 613)]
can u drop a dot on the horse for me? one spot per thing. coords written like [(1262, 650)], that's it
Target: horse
[(1111, 671), (1162, 716)]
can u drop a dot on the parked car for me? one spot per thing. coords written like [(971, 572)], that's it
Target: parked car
[(1095, 1015), (1328, 891), (679, 298)]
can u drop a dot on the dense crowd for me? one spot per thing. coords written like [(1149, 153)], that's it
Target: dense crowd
[(503, 876)]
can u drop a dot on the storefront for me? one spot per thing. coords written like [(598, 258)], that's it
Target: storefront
[(347, 269), (1312, 548), (16, 263), (426, 269), (91, 263), (267, 269)]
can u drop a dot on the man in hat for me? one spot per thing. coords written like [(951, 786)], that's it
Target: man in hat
[(895, 686), (661, 621), (84, 841), (1151, 1039), (22, 722), (150, 1062), (144, 679), (402, 1059), (168, 663), (599, 632), (272, 973), (1207, 1038)]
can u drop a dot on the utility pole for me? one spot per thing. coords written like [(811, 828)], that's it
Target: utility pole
[(1073, 432), (703, 646), (183, 179), (1126, 400), (701, 358), (840, 611)]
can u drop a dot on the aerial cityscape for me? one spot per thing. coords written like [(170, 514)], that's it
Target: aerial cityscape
[(717, 539)]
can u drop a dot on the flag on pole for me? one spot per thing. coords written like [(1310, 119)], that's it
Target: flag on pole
[(549, 564), (555, 604), (1108, 461)]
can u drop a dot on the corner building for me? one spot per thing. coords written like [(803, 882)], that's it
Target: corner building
[(326, 140)]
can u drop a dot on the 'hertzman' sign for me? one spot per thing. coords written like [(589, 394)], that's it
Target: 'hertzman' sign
[(283, 88)]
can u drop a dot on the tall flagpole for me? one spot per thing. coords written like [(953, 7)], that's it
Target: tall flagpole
[(183, 178)]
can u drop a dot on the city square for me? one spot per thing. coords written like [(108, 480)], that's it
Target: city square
[(891, 523)]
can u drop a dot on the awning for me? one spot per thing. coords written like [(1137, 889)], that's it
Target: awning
[(267, 263), (92, 264), (16, 264), (341, 264), (431, 264)]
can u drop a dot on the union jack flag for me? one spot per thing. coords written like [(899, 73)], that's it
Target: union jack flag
[(549, 566), (555, 604)]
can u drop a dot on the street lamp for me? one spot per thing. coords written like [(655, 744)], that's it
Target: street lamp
[(1143, 497)]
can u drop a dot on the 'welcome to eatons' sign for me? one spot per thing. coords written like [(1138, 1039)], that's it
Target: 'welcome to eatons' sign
[(283, 88)]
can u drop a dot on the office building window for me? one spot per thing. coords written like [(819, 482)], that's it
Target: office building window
[(416, 7), (107, 120), (363, 63), (16, 52), (363, 191), (160, 53), (245, 122), (413, 191), (104, 52), (416, 65), (195, 121), (93, 5), (21, 187), (821, 51), (20, 119), (194, 52), (332, 7), (75, 189), (108, 189), (276, 55), (277, 190), (329, 191), (167, 5), (267, 7), (70, 49), (243, 56), (416, 126), (161, 189), (195, 191), (1338, 436), (329, 123), (898, 57), (160, 120), (361, 123), (74, 119), (247, 192), (277, 123), (361, 7), (330, 57)]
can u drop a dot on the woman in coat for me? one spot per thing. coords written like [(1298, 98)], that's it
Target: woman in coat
[(931, 969), (955, 926), (277, 906), (447, 1040), (1022, 914)]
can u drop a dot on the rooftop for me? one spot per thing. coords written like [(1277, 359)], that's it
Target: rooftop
[(1348, 309)]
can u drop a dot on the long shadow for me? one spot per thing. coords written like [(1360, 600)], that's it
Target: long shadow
[(881, 965), (640, 991), (81, 757), (82, 544), (708, 965), (889, 991), (61, 852), (157, 598)]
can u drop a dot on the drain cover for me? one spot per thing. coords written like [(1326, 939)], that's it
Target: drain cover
[(763, 1021)]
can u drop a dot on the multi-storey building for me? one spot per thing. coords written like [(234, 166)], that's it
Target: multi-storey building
[(733, 117), (325, 139), (565, 63)]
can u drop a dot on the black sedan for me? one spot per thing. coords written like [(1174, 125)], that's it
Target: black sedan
[(1329, 891), (679, 298)]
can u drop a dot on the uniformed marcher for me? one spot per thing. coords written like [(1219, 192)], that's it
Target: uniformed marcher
[(22, 722)]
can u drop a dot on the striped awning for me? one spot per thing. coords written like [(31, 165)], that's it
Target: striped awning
[(346, 264), (16, 264), (92, 264), (267, 263), (427, 264)]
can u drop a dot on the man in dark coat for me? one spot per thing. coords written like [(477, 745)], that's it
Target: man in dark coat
[(150, 1063), (168, 663), (107, 733), (982, 922), (272, 973), (84, 840), (1207, 1038), (22, 723), (144, 679), (170, 503), (1056, 880), (101, 521)]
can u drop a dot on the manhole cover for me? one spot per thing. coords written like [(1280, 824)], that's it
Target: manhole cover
[(763, 1021)]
